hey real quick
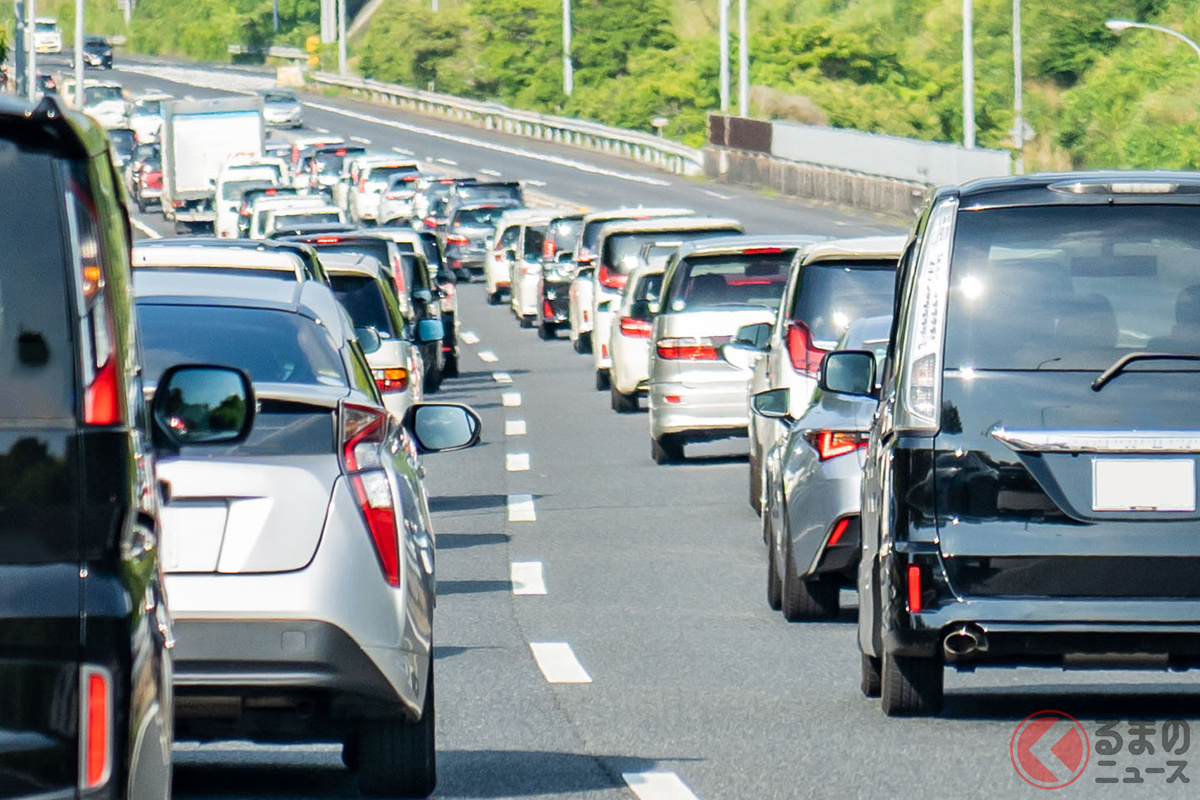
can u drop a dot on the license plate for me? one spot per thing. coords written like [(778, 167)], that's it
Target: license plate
[(1143, 484), (191, 535)]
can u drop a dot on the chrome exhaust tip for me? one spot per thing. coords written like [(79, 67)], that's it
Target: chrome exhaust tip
[(964, 641)]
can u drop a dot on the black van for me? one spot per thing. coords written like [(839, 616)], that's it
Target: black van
[(1030, 488), (85, 687)]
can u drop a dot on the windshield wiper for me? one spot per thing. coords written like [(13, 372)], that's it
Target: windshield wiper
[(1124, 361)]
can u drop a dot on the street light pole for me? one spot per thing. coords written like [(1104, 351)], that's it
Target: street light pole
[(568, 67), (30, 49), (341, 22), (1119, 26), (1018, 93), (743, 61), (968, 76), (79, 54), (724, 34)]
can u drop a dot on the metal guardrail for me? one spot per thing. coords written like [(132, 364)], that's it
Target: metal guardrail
[(645, 147), (275, 51)]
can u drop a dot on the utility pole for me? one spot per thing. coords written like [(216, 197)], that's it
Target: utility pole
[(341, 21), (743, 61), (968, 76), (79, 54), (1018, 93), (724, 56), (568, 68), (30, 50), (18, 70), (275, 15)]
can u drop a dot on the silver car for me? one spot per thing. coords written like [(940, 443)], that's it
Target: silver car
[(281, 108), (811, 505), (710, 291), (632, 326), (300, 563)]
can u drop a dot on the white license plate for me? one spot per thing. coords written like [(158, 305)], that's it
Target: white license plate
[(1143, 484)]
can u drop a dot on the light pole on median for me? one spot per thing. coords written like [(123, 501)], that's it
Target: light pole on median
[(724, 49), (968, 74), (79, 54), (743, 61), (568, 68), (1018, 93), (1119, 26)]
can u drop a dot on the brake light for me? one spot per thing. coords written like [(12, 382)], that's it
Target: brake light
[(585, 258), (362, 185), (805, 356), (548, 249), (363, 432), (839, 530), (831, 444), (696, 348), (611, 278), (95, 725), (391, 380), (914, 589), (763, 251), (457, 239), (153, 180), (637, 328), (547, 310), (431, 222), (271, 192)]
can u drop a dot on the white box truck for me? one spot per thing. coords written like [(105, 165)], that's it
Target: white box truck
[(198, 138)]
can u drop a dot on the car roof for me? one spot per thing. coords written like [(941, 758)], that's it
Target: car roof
[(385, 161), (863, 247), (636, 212), (737, 244), (1094, 187), (269, 201), (167, 253), (353, 263), (291, 211), (681, 224), (642, 270)]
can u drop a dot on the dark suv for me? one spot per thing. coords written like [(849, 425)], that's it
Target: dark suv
[(1030, 487), (85, 689)]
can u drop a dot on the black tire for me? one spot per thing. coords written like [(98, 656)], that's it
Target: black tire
[(774, 585), (450, 367), (603, 382), (547, 331), (666, 449), (806, 598), (524, 321), (493, 298), (583, 344), (622, 403), (911, 686), (433, 379), (871, 679), (141, 205), (756, 482), (398, 757)]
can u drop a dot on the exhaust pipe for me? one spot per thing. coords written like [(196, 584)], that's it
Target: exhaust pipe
[(964, 641)]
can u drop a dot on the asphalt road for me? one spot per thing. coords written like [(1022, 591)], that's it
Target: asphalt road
[(683, 684)]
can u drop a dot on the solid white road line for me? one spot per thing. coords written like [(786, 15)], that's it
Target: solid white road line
[(717, 195), (527, 578), (360, 140), (447, 162), (558, 663), (502, 377), (510, 399), (469, 337), (514, 427), (321, 130), (144, 228), (488, 356), (520, 508), (402, 151), (658, 786), (516, 462), (536, 183), (497, 148), (493, 173)]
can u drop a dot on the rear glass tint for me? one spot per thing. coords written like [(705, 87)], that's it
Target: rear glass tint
[(645, 296), (731, 279), (833, 294), (535, 241), (564, 232), (478, 217), (622, 250), (1056, 288), (471, 192), (36, 355), (363, 299), (377, 249)]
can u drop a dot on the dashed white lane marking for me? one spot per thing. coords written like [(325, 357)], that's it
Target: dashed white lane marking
[(658, 786), (447, 162), (469, 337), (520, 508), (402, 151), (536, 183), (527, 578), (516, 462), (487, 356), (510, 399), (717, 195), (360, 140), (490, 172), (514, 427), (502, 377), (558, 663), (144, 228), (321, 130)]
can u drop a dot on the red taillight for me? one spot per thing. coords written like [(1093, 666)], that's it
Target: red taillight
[(391, 380), (548, 249), (547, 310), (96, 724), (362, 185), (914, 589), (611, 278), (839, 530), (271, 192), (763, 251), (830, 444), (102, 398), (699, 348), (431, 222), (153, 180), (457, 239), (805, 356), (584, 259), (328, 240), (363, 432), (637, 328)]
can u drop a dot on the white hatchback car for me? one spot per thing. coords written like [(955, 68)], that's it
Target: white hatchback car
[(369, 176), (632, 325), (263, 206), (231, 184), (502, 251)]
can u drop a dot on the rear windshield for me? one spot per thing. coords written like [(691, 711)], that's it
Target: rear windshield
[(330, 161), (45, 27), (123, 140), (736, 279), (319, 217), (99, 94), (279, 97), (383, 174), (1073, 288), (473, 192), (151, 108), (235, 189), (645, 296), (833, 294), (271, 346), (36, 369), (478, 217), (377, 248), (535, 240), (363, 299), (621, 250), (564, 233)]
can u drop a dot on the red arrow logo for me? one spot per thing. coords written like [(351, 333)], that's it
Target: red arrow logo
[(1049, 749)]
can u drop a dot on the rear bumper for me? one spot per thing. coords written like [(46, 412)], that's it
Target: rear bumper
[(555, 297), (682, 408)]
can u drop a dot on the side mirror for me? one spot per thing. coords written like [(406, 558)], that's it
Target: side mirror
[(441, 427), (850, 372), (756, 336), (446, 276), (604, 307), (202, 405), (741, 355), (422, 296), (564, 257), (510, 256), (430, 330), (772, 404), (369, 339)]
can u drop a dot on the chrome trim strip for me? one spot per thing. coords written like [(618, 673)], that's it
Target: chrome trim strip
[(1099, 441)]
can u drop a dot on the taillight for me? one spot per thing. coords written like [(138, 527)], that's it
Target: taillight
[(458, 239), (831, 444), (95, 727), (102, 398), (391, 380), (696, 348), (584, 259), (805, 356), (431, 222), (548, 249), (547, 310), (637, 328), (154, 181), (363, 432), (611, 278), (914, 589), (362, 185), (839, 530)]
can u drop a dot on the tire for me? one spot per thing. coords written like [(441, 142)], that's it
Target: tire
[(756, 482), (433, 380), (398, 757), (806, 598), (871, 679), (774, 585), (141, 205), (524, 321), (911, 686), (667, 449), (583, 344), (450, 367), (622, 403), (493, 298), (547, 331), (603, 381)]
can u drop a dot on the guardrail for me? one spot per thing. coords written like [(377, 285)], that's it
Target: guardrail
[(275, 51), (645, 147)]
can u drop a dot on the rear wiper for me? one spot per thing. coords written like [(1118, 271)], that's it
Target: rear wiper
[(1121, 363)]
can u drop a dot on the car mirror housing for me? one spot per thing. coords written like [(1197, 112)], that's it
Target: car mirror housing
[(772, 404), (369, 339), (422, 296), (741, 355), (849, 372), (604, 307), (199, 404), (443, 427), (430, 330), (755, 336)]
